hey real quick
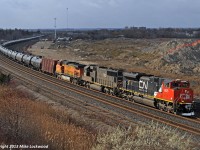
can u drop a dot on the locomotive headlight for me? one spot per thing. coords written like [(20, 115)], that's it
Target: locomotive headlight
[(187, 106)]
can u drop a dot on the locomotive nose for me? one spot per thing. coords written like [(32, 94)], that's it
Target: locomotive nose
[(185, 95)]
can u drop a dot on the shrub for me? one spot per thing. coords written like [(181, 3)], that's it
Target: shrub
[(4, 78), (153, 137)]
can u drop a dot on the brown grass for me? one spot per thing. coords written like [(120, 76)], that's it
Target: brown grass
[(154, 137), (26, 122), (23, 121)]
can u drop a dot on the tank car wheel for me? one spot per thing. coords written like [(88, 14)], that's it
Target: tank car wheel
[(87, 85), (76, 82), (110, 92), (107, 92)]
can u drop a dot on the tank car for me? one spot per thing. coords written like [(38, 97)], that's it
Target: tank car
[(9, 52), (19, 57), (36, 62), (13, 55), (27, 59), (3, 50)]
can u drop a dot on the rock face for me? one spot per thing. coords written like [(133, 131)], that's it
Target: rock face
[(185, 55)]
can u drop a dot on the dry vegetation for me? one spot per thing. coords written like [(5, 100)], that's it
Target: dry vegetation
[(153, 137), (23, 121)]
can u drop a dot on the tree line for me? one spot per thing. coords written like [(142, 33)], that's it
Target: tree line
[(133, 32), (13, 34)]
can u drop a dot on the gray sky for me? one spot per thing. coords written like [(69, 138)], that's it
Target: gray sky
[(99, 13)]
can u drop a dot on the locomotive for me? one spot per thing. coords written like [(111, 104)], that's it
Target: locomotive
[(169, 95)]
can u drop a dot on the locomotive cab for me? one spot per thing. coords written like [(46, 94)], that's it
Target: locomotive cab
[(175, 96)]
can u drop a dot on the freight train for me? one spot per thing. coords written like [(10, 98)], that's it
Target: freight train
[(169, 95)]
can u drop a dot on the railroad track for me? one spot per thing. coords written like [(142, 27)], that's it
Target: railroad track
[(88, 107), (107, 101)]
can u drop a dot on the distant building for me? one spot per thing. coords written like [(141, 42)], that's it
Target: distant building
[(64, 39), (120, 36), (196, 33)]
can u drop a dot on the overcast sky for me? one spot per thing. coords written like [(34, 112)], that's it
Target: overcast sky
[(99, 13)]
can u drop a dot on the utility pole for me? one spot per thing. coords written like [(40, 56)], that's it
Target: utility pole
[(55, 28), (67, 19)]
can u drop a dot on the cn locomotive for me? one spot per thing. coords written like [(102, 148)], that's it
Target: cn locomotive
[(169, 95)]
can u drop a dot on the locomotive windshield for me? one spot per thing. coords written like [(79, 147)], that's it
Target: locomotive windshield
[(183, 84)]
